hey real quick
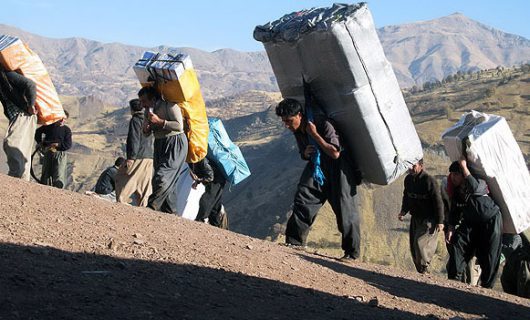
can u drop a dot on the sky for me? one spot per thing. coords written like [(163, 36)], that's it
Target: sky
[(211, 25)]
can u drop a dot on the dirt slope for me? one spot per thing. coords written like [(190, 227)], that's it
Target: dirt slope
[(78, 257)]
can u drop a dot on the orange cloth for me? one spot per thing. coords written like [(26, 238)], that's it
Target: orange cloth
[(19, 57)]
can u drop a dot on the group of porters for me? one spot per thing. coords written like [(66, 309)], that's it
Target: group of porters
[(345, 108)]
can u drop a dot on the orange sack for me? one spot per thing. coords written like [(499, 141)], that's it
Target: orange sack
[(16, 56)]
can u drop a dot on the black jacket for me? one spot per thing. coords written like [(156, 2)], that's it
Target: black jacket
[(139, 146), (17, 89), (55, 133), (106, 181), (422, 198), (472, 203)]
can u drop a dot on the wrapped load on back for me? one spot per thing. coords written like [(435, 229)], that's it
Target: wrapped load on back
[(225, 153), (494, 155), (17, 56), (173, 75), (337, 51)]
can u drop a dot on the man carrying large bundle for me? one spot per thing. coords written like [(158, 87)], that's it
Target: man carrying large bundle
[(337, 184), (18, 95), (480, 231), (164, 121)]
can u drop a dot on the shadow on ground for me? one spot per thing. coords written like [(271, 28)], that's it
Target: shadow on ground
[(450, 298), (46, 283)]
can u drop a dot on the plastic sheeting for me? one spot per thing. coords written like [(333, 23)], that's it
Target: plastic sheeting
[(187, 197), (494, 155), (337, 51), (225, 153), (174, 77), (16, 56)]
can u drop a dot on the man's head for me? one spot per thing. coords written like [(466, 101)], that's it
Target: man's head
[(456, 174), (416, 168), (290, 111), (148, 97), (119, 162), (135, 105)]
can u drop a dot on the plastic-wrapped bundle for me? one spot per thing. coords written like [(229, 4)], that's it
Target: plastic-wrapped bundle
[(494, 155), (225, 153), (188, 197), (337, 51), (174, 77), (16, 56)]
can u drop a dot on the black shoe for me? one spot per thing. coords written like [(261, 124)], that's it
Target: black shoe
[(348, 258)]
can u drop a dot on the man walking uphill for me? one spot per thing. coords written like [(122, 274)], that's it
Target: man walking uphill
[(164, 120), (422, 198), (336, 182), (133, 181), (18, 95)]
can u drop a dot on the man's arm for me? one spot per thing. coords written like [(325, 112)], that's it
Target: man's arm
[(27, 90), (66, 142), (436, 197), (331, 150), (133, 138)]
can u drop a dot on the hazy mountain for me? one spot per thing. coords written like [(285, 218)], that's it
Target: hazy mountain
[(430, 50), (419, 52)]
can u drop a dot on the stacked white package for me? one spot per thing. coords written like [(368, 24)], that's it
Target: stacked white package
[(161, 66), (337, 51), (494, 155)]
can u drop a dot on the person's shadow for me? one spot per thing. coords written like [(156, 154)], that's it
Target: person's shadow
[(47, 283), (446, 297)]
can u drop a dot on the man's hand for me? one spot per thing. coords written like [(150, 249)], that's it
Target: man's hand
[(155, 120), (439, 227), (32, 110), (462, 162), (449, 234), (309, 150), (129, 163), (54, 145), (401, 216)]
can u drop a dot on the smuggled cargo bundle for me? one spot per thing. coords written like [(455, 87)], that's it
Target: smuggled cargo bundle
[(16, 56), (337, 51), (225, 153), (174, 77), (188, 196), (494, 155)]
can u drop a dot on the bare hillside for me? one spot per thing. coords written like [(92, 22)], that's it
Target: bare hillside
[(73, 256)]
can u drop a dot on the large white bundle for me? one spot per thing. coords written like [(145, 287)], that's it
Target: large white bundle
[(337, 51), (168, 66), (188, 197), (493, 154)]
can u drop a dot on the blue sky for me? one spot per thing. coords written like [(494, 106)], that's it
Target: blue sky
[(211, 25)]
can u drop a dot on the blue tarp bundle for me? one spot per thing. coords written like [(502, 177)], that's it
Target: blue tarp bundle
[(225, 153)]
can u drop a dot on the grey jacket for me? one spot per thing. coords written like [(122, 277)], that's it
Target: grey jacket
[(139, 146)]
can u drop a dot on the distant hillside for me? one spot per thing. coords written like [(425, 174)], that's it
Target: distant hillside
[(419, 52)]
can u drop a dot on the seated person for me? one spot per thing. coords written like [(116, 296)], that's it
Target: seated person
[(106, 186)]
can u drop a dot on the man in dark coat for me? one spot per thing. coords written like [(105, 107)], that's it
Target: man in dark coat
[(57, 140), (480, 230), (133, 182), (106, 184), (422, 198)]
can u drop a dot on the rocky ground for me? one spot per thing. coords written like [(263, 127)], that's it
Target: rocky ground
[(65, 255)]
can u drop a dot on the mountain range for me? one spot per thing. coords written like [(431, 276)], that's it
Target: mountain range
[(419, 52)]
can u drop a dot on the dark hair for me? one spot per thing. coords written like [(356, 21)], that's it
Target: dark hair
[(455, 167), (67, 114), (288, 108), (150, 92), (119, 161), (420, 162), (135, 105)]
